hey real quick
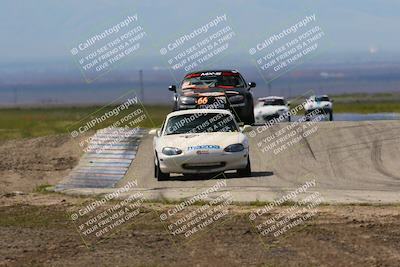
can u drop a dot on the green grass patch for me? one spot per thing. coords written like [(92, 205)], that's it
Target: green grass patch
[(367, 107), (18, 123), (43, 189), (32, 216)]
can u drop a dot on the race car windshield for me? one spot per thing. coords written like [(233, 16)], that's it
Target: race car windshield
[(221, 81), (274, 102), (322, 98), (200, 123)]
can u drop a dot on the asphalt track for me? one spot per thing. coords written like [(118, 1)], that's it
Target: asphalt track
[(351, 162)]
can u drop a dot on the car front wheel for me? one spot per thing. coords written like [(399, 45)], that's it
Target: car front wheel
[(161, 176), (306, 115), (249, 119), (246, 171)]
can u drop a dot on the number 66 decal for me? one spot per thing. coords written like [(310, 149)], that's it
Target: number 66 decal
[(202, 101)]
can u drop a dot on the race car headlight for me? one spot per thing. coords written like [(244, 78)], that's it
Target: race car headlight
[(187, 100), (236, 98), (234, 148), (169, 151)]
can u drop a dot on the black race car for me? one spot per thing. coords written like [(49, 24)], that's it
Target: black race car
[(216, 89)]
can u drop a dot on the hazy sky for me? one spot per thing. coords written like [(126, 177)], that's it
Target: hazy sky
[(44, 30)]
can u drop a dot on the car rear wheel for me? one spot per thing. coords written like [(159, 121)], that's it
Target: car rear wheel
[(246, 171), (245, 114), (331, 116), (161, 176)]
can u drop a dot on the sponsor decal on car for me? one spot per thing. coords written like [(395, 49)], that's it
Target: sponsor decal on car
[(211, 73), (204, 147)]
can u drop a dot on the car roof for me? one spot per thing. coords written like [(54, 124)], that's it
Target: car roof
[(270, 97), (318, 96), (196, 111)]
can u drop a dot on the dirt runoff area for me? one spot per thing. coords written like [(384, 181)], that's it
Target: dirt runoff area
[(36, 228), (26, 164)]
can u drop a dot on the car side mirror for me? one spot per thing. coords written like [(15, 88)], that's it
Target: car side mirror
[(246, 128), (172, 88), (154, 132), (252, 84)]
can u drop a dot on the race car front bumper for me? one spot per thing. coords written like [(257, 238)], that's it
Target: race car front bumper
[(319, 111), (191, 162), (276, 117)]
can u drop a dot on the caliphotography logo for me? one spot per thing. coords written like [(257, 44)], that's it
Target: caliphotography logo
[(99, 53)]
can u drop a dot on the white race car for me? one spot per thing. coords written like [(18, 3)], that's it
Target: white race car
[(320, 105), (271, 108), (200, 141)]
